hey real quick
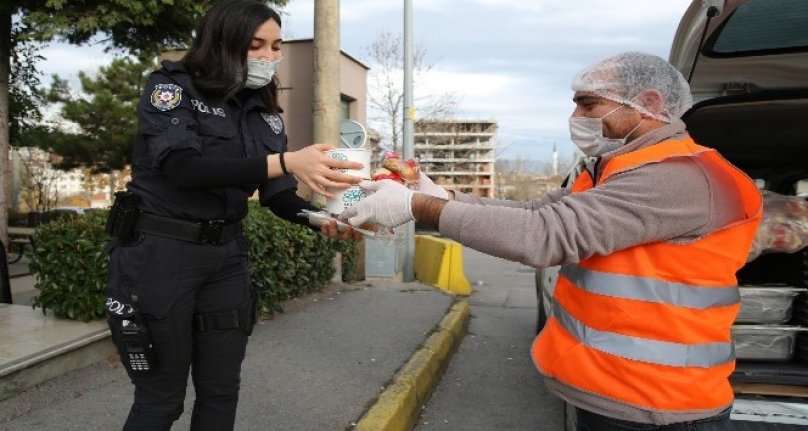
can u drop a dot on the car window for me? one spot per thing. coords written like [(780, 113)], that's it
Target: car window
[(763, 26)]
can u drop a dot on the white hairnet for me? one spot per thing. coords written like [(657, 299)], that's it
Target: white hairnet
[(624, 77)]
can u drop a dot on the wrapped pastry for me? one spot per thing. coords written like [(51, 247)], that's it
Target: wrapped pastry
[(784, 226)]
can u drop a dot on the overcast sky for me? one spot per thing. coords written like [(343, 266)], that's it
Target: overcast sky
[(507, 60)]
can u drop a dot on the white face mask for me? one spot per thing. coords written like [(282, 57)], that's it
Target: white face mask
[(587, 134), (260, 72)]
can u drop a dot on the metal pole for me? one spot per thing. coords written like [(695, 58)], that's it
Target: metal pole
[(409, 116), (5, 284)]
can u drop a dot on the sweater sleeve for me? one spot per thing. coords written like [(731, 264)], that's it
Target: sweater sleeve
[(287, 204), (548, 197), (187, 169), (657, 202)]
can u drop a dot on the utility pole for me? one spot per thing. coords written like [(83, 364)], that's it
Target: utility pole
[(409, 116), (325, 108), (5, 118), (326, 104)]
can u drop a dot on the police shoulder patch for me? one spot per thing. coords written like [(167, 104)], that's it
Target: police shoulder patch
[(274, 122), (166, 97)]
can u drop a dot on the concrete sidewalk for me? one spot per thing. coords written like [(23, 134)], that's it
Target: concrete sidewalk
[(318, 366)]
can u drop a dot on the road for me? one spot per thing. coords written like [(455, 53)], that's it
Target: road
[(491, 383)]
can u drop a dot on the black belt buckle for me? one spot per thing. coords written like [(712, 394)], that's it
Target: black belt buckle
[(211, 232)]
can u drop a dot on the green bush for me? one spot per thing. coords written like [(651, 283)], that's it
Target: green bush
[(289, 260), (70, 263)]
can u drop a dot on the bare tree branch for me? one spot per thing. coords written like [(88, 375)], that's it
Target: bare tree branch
[(386, 89)]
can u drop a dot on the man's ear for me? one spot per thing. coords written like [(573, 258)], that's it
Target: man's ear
[(651, 100)]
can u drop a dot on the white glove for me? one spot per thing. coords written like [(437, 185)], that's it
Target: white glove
[(428, 187), (388, 205)]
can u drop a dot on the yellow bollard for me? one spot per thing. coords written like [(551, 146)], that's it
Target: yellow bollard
[(439, 262)]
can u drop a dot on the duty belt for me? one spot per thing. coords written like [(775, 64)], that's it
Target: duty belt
[(206, 232)]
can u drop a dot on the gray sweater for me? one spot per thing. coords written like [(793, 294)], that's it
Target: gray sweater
[(678, 200)]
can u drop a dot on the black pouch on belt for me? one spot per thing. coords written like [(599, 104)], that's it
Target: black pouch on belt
[(123, 216)]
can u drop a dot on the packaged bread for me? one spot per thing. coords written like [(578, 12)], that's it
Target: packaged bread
[(784, 226)]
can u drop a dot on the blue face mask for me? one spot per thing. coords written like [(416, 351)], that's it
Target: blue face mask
[(260, 72)]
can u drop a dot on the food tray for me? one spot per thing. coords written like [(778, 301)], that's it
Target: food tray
[(765, 342), (767, 305)]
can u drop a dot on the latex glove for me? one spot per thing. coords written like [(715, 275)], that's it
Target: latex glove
[(428, 187), (388, 204)]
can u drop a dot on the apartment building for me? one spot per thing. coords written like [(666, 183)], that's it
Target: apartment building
[(458, 154)]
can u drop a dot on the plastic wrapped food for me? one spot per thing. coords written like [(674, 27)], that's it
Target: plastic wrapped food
[(393, 168), (765, 343), (784, 227), (767, 304)]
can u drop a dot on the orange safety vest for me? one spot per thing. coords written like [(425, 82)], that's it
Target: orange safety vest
[(649, 326)]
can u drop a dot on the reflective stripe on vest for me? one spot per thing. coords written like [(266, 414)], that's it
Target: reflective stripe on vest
[(649, 289), (642, 349)]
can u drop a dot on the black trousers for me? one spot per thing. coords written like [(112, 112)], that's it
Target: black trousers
[(175, 280)]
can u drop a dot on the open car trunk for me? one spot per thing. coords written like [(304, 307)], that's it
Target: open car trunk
[(766, 135)]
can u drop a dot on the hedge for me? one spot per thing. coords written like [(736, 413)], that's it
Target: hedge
[(287, 260)]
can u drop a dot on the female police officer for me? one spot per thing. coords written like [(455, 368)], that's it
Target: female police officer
[(180, 295)]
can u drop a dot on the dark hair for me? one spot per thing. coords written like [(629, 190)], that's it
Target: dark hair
[(218, 53)]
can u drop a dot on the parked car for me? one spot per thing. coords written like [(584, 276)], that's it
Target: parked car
[(750, 88), (72, 210)]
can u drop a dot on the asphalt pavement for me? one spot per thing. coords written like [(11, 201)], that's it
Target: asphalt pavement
[(491, 383), (319, 365)]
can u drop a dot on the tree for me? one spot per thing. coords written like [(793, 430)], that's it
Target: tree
[(105, 116), (386, 92), (25, 97), (38, 189)]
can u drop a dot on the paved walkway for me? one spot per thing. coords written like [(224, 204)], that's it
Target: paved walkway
[(316, 367), (319, 365)]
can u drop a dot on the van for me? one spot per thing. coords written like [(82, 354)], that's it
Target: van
[(747, 64)]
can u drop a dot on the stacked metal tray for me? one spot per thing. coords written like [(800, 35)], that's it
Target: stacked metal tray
[(761, 332), (800, 317)]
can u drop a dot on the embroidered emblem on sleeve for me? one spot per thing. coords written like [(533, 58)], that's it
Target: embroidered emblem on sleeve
[(166, 97), (274, 122)]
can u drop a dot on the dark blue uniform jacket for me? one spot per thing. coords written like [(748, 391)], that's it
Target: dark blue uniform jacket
[(237, 134)]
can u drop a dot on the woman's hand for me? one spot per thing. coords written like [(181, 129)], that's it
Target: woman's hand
[(314, 168)]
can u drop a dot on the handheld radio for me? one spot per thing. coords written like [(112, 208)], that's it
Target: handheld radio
[(138, 351)]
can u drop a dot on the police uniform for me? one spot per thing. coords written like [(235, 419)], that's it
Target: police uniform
[(187, 259)]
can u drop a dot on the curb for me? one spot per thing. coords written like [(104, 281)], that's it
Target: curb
[(54, 362), (399, 405)]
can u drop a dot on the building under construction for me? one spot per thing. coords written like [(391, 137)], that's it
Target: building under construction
[(458, 154)]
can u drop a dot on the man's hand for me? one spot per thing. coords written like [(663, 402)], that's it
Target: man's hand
[(428, 187), (389, 205), (330, 229)]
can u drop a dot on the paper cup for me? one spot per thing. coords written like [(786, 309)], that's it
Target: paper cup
[(344, 199), (359, 155)]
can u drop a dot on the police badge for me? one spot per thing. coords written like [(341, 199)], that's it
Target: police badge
[(166, 97), (274, 122)]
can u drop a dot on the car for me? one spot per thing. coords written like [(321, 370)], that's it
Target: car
[(72, 210), (747, 64)]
